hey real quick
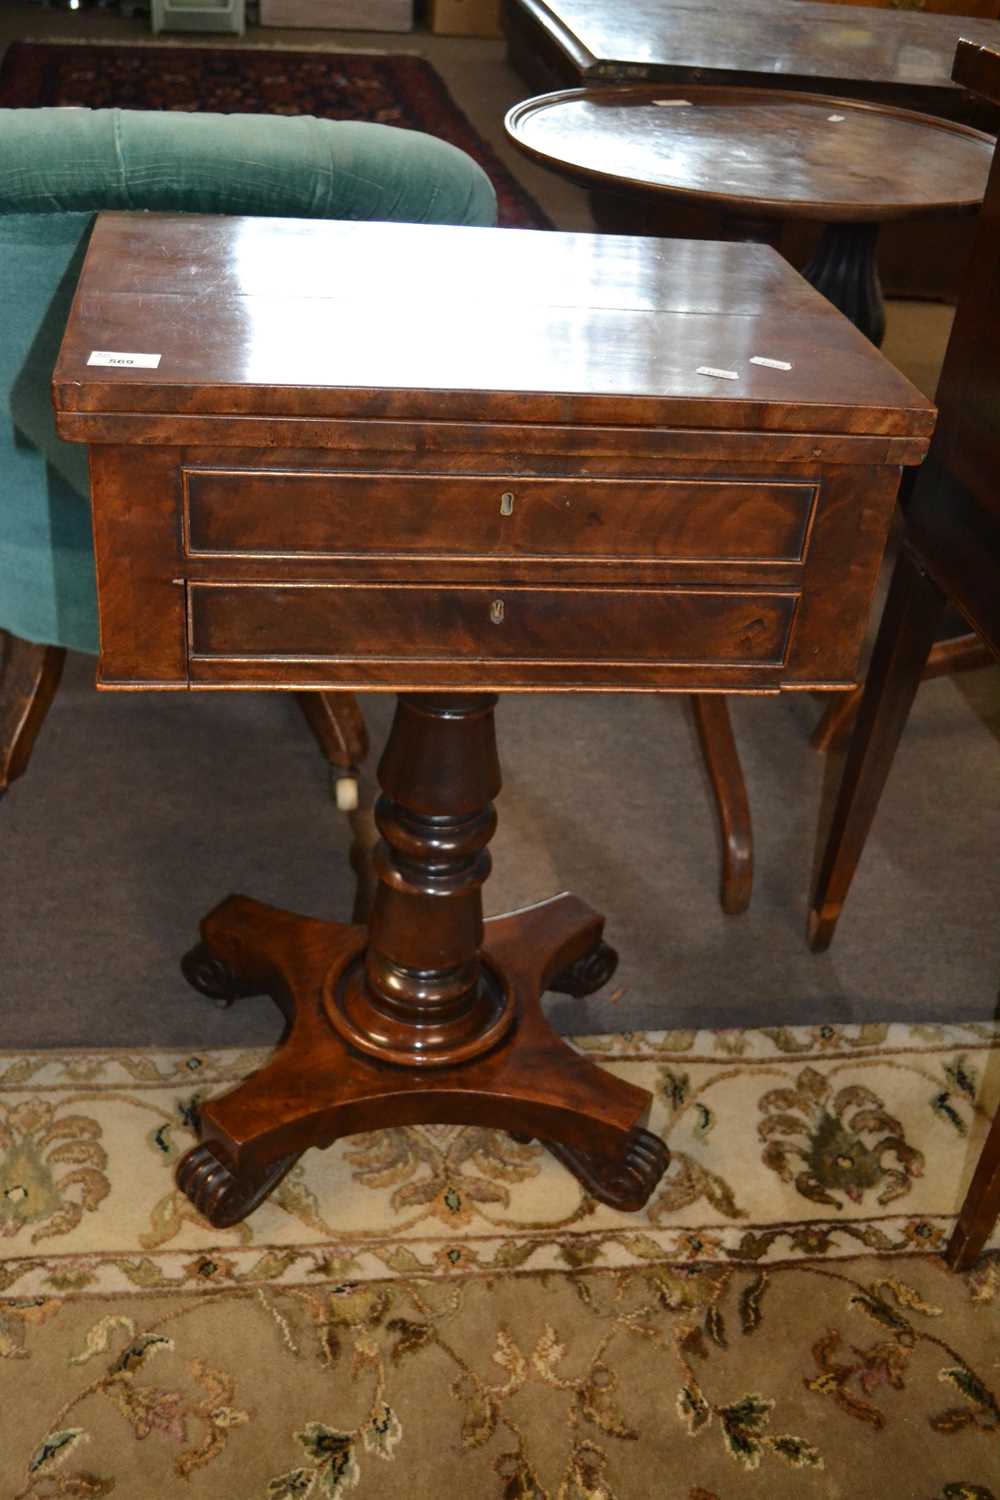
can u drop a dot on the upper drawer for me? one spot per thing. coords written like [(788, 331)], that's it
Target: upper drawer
[(271, 513)]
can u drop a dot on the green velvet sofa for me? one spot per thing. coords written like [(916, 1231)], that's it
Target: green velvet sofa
[(58, 168)]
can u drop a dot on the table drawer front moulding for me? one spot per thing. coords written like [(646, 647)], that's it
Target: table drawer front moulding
[(140, 512), (256, 512), (419, 624)]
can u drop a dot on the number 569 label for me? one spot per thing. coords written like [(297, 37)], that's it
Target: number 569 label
[(124, 361)]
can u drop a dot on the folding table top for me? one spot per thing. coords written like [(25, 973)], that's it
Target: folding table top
[(199, 316)]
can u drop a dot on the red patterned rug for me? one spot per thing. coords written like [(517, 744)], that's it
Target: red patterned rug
[(389, 90)]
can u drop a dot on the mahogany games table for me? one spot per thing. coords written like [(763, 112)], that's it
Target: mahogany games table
[(306, 476)]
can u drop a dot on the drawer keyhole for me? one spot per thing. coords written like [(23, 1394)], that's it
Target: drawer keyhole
[(507, 503), (497, 611)]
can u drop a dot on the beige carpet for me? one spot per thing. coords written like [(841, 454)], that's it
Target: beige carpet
[(441, 1309)]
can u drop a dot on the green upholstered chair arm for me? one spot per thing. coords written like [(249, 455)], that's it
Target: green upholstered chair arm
[(65, 160)]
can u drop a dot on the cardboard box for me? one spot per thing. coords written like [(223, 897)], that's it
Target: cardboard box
[(465, 17), (339, 15)]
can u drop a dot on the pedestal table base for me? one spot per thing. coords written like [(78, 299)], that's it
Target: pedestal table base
[(318, 1087)]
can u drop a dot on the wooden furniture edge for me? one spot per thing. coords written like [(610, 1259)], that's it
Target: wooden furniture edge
[(576, 54), (974, 69)]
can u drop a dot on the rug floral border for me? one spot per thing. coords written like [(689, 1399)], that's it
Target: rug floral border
[(854, 1140)]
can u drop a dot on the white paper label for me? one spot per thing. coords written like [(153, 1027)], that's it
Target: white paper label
[(770, 364), (719, 374), (672, 103), (836, 119), (124, 361)]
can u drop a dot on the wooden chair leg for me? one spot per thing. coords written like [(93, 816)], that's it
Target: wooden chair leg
[(963, 653), (29, 676), (902, 647), (336, 721), (838, 720), (722, 760), (981, 1207)]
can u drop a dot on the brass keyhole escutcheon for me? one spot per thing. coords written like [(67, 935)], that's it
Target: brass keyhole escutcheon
[(507, 503), (497, 611)]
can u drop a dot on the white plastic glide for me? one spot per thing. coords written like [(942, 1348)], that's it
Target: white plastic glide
[(346, 793)]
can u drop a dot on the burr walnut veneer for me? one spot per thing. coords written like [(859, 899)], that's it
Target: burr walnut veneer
[(452, 462)]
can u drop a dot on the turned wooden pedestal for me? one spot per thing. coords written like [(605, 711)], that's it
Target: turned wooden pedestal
[(452, 1010)]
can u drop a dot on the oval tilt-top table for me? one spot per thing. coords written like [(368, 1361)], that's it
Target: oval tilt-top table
[(518, 473), (765, 156)]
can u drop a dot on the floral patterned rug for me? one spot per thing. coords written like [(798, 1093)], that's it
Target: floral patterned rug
[(442, 1307), (386, 89)]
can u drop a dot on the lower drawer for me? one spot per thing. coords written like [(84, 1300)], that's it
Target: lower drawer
[(417, 622)]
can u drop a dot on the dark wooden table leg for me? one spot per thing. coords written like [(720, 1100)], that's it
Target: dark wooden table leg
[(844, 269), (981, 1207), (963, 653), (904, 640), (426, 1015)]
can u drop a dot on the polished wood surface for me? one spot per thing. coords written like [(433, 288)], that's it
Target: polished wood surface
[(490, 550), (892, 56), (363, 516), (950, 554), (510, 326), (523, 479), (750, 157), (897, 56), (764, 152)]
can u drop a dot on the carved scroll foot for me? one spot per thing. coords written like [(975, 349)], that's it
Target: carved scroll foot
[(218, 1194), (211, 976), (625, 1181), (587, 974)]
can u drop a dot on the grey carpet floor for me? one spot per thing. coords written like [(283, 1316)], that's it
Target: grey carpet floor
[(139, 812)]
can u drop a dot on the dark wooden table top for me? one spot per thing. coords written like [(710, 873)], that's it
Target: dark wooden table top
[(904, 56), (796, 155), (318, 321)]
